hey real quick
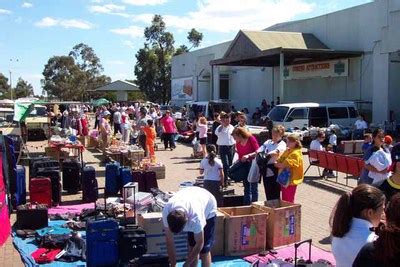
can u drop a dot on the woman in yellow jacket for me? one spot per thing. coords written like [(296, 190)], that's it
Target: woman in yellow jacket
[(292, 159)]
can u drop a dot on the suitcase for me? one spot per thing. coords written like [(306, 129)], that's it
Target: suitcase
[(150, 178), (54, 175), (32, 217), (71, 175), (20, 195), (137, 177), (112, 179), (232, 200), (32, 160), (40, 191), (151, 260), (125, 176), (43, 164), (102, 237), (133, 242), (90, 191)]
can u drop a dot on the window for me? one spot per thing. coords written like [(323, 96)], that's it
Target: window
[(318, 117), (278, 113), (338, 113), (298, 114), (352, 112)]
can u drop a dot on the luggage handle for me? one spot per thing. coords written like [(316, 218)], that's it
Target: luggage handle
[(297, 245), (105, 202), (125, 187)]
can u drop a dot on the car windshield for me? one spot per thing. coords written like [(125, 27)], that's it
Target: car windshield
[(278, 113)]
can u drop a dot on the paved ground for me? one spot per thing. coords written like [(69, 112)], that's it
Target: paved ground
[(316, 196)]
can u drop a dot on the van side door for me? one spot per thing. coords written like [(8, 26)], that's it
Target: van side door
[(339, 115), (298, 118), (318, 117)]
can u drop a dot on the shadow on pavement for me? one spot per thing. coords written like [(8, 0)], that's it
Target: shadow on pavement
[(325, 241), (319, 183)]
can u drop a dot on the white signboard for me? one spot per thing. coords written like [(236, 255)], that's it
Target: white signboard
[(323, 69), (182, 89)]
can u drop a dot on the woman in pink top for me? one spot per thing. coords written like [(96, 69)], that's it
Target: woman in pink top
[(202, 127), (246, 144), (169, 130)]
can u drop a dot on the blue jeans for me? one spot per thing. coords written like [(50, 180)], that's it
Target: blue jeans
[(226, 153), (250, 192)]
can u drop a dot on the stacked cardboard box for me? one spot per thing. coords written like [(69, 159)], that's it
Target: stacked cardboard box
[(245, 230), (159, 170), (283, 223)]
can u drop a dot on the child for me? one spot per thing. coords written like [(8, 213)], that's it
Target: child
[(292, 159), (333, 140), (213, 172), (387, 145), (202, 128), (367, 144), (150, 138)]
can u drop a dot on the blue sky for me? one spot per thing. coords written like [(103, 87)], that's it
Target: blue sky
[(33, 31)]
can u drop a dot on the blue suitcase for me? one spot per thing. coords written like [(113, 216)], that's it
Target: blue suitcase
[(102, 236), (20, 195), (90, 191), (112, 179), (125, 176)]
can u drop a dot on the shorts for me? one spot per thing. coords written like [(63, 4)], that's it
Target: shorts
[(209, 236), (203, 141)]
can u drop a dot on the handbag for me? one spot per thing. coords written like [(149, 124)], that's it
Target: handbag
[(254, 172), (284, 177), (32, 217), (239, 171), (262, 159)]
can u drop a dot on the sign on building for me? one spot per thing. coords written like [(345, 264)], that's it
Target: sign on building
[(323, 69), (182, 89)]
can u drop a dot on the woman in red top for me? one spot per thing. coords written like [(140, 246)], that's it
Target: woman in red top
[(246, 144)]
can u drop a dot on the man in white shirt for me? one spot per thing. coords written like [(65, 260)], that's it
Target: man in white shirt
[(360, 126), (225, 142), (117, 118), (316, 145), (192, 210)]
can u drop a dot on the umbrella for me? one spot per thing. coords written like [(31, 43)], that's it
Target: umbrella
[(100, 102)]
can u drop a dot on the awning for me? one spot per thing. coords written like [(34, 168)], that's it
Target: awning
[(263, 49)]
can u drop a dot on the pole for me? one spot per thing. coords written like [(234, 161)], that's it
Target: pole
[(11, 92), (281, 76)]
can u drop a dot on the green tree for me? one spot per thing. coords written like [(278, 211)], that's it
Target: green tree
[(181, 50), (23, 89), (146, 69), (4, 86), (194, 37)]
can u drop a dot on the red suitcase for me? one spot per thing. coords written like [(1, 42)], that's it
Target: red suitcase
[(40, 191)]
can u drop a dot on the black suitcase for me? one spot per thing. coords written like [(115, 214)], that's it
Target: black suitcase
[(132, 242), (54, 175), (90, 191), (43, 164), (32, 217), (150, 178), (71, 175), (137, 177), (232, 200), (32, 161), (151, 260)]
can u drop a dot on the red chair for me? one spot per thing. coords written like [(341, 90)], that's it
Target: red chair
[(341, 163), (353, 167), (332, 164), (361, 164), (323, 161), (312, 154)]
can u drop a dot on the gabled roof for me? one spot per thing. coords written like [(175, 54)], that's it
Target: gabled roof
[(119, 85), (262, 48)]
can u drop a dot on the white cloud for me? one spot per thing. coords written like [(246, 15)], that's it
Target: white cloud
[(5, 11), (96, 1), (109, 9), (144, 2), (233, 15), (26, 5), (132, 31), (129, 44), (65, 23)]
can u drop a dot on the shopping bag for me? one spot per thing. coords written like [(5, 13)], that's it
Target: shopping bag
[(239, 171), (284, 177), (254, 172)]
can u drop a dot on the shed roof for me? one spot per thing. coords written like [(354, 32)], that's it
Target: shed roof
[(263, 48), (118, 85)]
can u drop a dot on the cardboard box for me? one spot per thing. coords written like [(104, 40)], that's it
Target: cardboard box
[(218, 247), (159, 170), (283, 223), (156, 243), (83, 140), (245, 230)]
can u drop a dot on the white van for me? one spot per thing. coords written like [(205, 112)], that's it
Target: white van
[(300, 115), (208, 108)]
